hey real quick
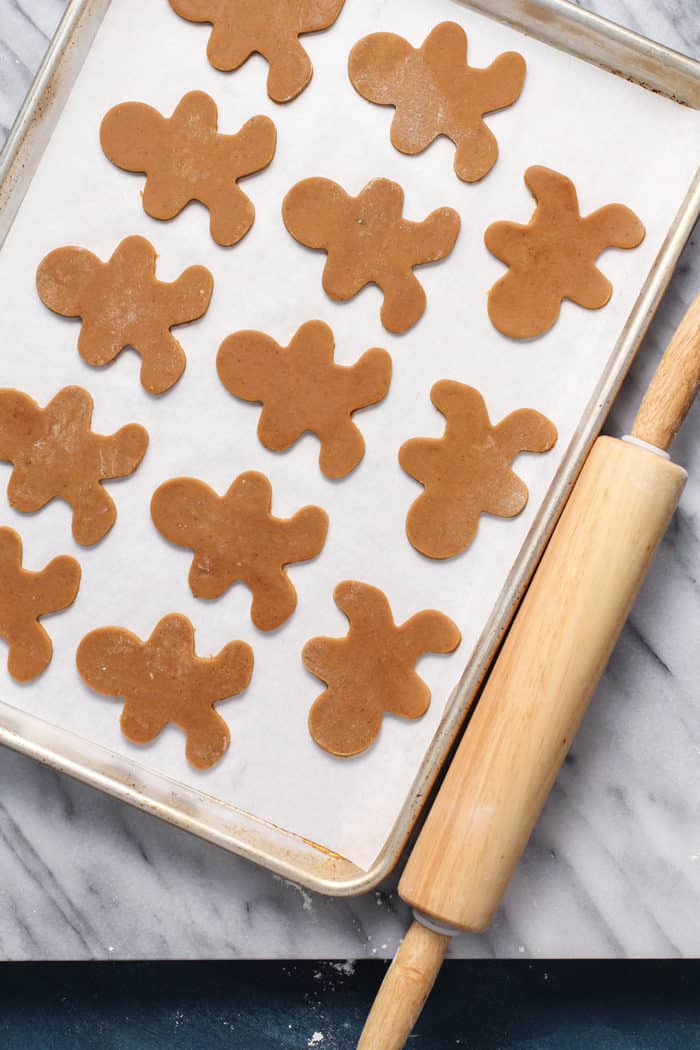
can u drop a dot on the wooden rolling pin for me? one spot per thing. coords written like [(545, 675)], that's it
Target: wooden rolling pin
[(539, 688)]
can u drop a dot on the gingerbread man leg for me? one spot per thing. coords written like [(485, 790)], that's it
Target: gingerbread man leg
[(231, 214), (276, 431), (341, 450), (29, 653), (274, 600), (476, 154), (140, 724), (26, 492), (226, 50), (404, 301), (98, 343), (207, 740), (94, 515), (163, 198), (162, 362), (290, 72)]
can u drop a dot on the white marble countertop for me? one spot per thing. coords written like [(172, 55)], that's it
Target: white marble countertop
[(614, 866)]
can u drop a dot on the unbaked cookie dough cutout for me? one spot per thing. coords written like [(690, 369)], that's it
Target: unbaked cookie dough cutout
[(467, 472), (236, 538), (369, 242), (27, 596), (436, 92), (56, 454), (370, 672), (302, 389), (122, 304), (553, 257), (185, 159), (163, 681), (271, 28)]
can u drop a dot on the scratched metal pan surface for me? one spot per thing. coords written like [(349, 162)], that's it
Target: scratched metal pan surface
[(563, 26)]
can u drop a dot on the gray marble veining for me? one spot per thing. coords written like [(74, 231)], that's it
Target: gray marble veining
[(614, 866)]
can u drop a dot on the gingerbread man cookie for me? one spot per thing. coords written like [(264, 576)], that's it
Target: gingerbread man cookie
[(25, 597), (467, 472), (371, 670), (270, 28), (368, 241), (163, 680), (185, 159), (553, 257), (302, 389), (121, 303), (56, 454), (436, 92), (235, 537)]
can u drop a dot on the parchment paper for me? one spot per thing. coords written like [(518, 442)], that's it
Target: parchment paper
[(617, 141)]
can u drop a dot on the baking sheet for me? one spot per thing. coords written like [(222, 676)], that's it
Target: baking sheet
[(617, 141)]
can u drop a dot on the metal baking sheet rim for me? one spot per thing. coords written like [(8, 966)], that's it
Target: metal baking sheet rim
[(566, 27)]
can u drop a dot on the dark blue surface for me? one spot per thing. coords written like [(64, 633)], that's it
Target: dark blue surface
[(254, 1006)]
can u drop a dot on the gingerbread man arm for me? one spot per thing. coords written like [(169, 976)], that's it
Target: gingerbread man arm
[(362, 603), (369, 379), (229, 672), (433, 238), (525, 430), (614, 226), (555, 195), (508, 241), (316, 15), (431, 631), (420, 457), (252, 148), (305, 534), (121, 453), (196, 10), (502, 82), (58, 584)]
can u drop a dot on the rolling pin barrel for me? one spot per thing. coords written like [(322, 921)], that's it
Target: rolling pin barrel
[(543, 680), (538, 691)]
